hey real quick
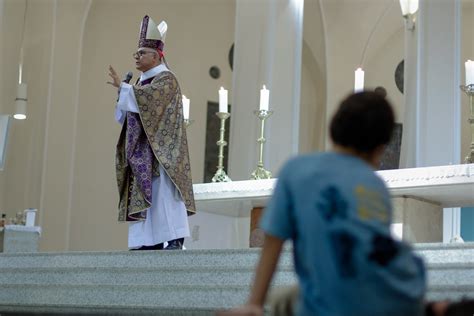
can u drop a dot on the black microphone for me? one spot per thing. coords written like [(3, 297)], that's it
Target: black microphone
[(126, 79)]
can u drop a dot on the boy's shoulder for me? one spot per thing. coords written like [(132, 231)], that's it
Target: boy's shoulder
[(305, 165), (325, 165), (307, 158), (312, 161)]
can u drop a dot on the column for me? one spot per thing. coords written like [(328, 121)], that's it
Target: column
[(432, 105), (268, 44)]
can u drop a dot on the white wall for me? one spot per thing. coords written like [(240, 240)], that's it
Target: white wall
[(23, 169), (353, 27), (313, 80), (380, 69)]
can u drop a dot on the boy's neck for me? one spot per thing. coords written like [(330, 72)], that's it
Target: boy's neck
[(372, 157)]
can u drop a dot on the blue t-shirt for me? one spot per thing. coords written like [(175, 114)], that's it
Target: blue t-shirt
[(337, 212)]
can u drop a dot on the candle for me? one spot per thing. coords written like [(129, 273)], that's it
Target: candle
[(223, 100), (359, 80), (469, 72), (186, 107), (264, 98)]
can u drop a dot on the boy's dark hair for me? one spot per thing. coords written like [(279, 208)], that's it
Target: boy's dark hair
[(363, 122)]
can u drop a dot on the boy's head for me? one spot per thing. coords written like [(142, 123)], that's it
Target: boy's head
[(364, 122)]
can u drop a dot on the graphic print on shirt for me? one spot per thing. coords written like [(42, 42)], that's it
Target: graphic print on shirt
[(370, 205), (332, 204)]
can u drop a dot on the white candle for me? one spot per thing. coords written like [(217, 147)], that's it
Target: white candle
[(186, 107), (264, 98), (469, 72), (359, 80), (223, 100)]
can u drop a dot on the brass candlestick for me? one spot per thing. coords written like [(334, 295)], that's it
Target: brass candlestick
[(469, 90), (220, 175), (261, 172)]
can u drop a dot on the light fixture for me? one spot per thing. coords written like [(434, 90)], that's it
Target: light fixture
[(409, 8), (20, 102), (21, 92)]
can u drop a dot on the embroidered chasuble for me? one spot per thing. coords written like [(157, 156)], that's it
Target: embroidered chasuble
[(156, 135)]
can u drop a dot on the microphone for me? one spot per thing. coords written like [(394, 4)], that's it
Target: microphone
[(126, 79)]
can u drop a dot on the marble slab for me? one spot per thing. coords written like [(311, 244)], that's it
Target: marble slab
[(446, 186)]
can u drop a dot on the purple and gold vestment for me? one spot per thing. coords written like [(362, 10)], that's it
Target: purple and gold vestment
[(154, 136)]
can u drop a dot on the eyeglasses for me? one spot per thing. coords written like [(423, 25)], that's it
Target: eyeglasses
[(140, 53)]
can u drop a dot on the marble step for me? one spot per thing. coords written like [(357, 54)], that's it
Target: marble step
[(139, 276), (191, 282), (446, 253), (72, 310), (432, 253), (148, 296), (450, 274), (138, 259), (444, 274)]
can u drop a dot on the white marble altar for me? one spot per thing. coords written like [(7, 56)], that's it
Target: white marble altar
[(447, 186), (419, 194)]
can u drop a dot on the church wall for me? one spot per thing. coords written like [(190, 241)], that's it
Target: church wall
[(380, 69), (313, 81), (357, 32), (312, 116), (383, 52), (23, 168)]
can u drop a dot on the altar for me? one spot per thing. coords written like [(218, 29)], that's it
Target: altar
[(418, 196)]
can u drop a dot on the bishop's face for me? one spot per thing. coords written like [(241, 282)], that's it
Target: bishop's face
[(146, 58)]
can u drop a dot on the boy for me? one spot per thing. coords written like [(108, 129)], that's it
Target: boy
[(337, 212)]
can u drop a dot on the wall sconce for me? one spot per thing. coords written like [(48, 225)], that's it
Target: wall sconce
[(409, 8)]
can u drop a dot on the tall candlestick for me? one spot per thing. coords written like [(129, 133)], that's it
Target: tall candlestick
[(220, 175), (261, 172), (469, 89), (359, 80), (223, 100), (469, 72), (264, 98), (186, 103)]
